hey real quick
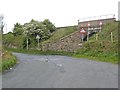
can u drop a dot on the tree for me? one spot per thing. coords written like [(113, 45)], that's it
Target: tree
[(17, 30), (8, 39), (43, 29), (49, 25)]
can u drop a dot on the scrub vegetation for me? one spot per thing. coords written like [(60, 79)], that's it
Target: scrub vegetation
[(8, 60), (105, 48)]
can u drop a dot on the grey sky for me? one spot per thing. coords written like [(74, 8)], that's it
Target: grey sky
[(60, 12)]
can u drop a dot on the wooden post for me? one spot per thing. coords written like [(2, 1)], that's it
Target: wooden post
[(96, 36), (88, 33), (27, 43), (111, 37)]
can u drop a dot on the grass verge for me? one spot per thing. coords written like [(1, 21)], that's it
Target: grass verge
[(104, 57), (104, 51), (101, 57), (8, 60), (30, 51)]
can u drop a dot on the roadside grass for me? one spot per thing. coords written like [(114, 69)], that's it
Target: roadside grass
[(104, 51), (111, 58), (105, 34), (39, 52), (8, 60), (104, 57)]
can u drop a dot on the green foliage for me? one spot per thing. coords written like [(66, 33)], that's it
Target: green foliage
[(18, 41), (29, 30), (49, 25), (43, 29), (7, 64), (17, 30), (105, 34), (8, 60), (60, 33), (24, 45), (8, 39), (102, 49), (30, 51)]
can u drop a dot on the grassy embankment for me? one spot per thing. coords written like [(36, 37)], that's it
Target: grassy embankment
[(8, 60), (62, 32), (102, 49)]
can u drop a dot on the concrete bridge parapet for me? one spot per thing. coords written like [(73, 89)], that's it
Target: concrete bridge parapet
[(95, 23)]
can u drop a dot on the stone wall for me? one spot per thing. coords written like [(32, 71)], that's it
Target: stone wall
[(69, 43)]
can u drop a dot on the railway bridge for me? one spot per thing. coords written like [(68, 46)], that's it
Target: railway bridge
[(72, 42), (93, 25)]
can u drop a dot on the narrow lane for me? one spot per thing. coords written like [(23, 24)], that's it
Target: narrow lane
[(54, 71)]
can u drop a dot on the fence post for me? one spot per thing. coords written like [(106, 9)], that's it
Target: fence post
[(96, 36), (111, 37)]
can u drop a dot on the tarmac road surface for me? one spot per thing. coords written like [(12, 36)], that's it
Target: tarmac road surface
[(55, 71)]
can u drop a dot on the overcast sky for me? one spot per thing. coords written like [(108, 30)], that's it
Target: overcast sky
[(59, 12)]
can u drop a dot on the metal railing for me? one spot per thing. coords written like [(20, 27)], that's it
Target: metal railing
[(96, 18)]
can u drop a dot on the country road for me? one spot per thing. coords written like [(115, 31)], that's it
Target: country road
[(55, 71)]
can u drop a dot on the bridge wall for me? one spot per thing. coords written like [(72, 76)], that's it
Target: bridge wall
[(68, 43), (95, 23)]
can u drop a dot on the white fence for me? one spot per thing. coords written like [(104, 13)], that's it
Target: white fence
[(97, 17)]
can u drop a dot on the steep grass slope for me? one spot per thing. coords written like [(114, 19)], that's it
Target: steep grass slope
[(60, 33), (102, 49)]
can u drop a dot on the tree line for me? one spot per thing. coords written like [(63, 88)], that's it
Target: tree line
[(29, 30)]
